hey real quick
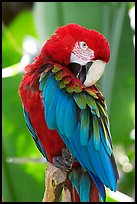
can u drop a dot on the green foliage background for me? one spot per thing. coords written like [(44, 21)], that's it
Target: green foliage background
[(25, 182)]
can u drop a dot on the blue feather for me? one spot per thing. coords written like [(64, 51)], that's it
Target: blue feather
[(51, 113), (70, 118), (83, 156), (82, 153), (99, 185), (96, 133), (73, 176), (105, 142), (74, 141), (49, 90), (62, 114), (84, 188), (95, 158), (82, 184), (46, 96), (84, 129), (58, 107), (107, 164), (47, 83)]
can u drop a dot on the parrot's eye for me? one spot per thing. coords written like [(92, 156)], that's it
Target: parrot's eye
[(83, 45)]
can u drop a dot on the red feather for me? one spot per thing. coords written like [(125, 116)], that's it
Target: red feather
[(60, 45), (32, 100)]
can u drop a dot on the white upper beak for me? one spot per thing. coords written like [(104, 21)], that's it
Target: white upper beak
[(95, 72)]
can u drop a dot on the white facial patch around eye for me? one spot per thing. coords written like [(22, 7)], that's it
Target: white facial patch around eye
[(81, 53), (95, 72)]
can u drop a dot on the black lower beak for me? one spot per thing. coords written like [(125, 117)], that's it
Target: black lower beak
[(80, 71), (82, 74)]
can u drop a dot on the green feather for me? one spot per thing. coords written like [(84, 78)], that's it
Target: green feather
[(91, 93), (92, 104), (66, 80), (78, 89), (56, 69), (102, 109), (106, 139), (69, 89), (61, 85), (58, 76), (80, 100)]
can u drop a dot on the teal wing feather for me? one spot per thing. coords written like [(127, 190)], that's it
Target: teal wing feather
[(85, 126), (82, 122)]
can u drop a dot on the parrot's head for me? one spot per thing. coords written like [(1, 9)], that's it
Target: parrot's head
[(85, 52)]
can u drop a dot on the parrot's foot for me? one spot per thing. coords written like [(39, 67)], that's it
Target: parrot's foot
[(62, 163), (65, 161)]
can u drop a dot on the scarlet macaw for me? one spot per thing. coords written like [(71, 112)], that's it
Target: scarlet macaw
[(66, 113)]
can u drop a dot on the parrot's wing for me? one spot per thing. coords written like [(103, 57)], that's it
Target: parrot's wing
[(34, 135), (81, 120)]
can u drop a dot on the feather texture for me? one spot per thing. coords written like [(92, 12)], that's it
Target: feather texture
[(85, 126), (96, 133), (60, 110), (81, 124), (34, 136)]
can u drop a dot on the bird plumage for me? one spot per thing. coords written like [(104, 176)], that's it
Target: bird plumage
[(61, 111)]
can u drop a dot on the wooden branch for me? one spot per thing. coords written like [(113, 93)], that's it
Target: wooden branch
[(54, 181)]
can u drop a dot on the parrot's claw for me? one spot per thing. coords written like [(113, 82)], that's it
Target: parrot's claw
[(65, 161)]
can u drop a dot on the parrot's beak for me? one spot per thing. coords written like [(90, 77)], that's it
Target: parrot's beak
[(89, 73), (94, 73)]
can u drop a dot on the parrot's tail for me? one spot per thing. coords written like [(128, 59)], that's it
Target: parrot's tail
[(74, 195), (93, 194), (82, 187)]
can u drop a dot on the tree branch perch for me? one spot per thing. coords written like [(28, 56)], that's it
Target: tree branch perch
[(54, 181)]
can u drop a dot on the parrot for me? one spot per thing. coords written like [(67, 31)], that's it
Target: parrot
[(66, 113)]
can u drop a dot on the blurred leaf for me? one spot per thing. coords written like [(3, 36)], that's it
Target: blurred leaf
[(118, 82), (88, 14), (17, 141), (127, 183), (122, 112), (13, 35), (131, 4)]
